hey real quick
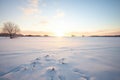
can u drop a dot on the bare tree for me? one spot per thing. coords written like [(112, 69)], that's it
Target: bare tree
[(11, 28)]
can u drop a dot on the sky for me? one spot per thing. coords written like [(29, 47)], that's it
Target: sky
[(63, 17)]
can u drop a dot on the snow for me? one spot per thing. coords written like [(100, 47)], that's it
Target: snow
[(52, 58)]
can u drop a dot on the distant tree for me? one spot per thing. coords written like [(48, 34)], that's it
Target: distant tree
[(46, 35), (72, 35), (11, 28)]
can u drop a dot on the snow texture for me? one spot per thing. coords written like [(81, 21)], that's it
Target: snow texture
[(60, 58)]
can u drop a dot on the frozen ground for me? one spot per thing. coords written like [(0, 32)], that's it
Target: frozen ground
[(52, 58)]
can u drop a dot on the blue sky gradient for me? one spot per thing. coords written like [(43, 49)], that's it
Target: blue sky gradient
[(64, 15)]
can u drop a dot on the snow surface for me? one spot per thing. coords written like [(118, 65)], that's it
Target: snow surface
[(52, 58)]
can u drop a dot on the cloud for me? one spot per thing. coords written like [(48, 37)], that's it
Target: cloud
[(33, 3), (59, 14), (30, 11), (32, 7)]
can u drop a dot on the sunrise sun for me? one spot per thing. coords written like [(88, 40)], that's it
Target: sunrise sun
[(59, 33)]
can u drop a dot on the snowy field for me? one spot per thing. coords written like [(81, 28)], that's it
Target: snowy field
[(50, 58)]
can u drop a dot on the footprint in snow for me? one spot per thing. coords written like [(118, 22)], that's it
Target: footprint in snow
[(53, 75), (61, 77), (62, 61), (83, 74), (47, 58), (35, 64), (38, 58)]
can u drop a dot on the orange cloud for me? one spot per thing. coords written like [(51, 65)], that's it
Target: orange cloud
[(34, 3), (32, 7), (36, 33), (100, 32), (29, 11)]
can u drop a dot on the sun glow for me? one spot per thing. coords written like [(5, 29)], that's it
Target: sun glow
[(59, 33)]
